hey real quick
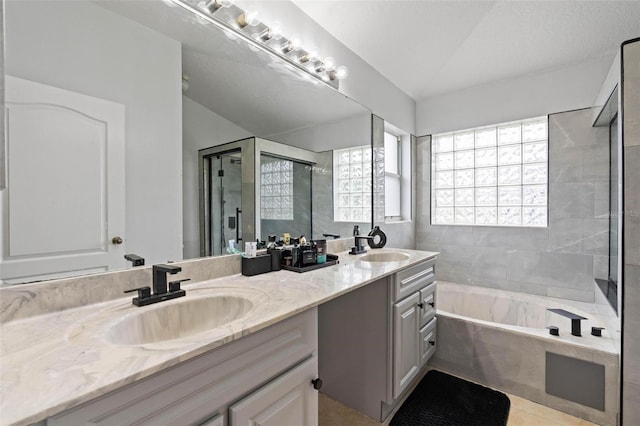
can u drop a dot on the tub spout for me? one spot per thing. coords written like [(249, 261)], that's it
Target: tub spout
[(575, 320)]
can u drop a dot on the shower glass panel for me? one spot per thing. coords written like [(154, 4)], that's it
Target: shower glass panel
[(285, 197), (226, 201)]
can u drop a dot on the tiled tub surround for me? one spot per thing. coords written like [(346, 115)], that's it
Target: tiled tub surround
[(499, 339), (559, 261), (61, 358)]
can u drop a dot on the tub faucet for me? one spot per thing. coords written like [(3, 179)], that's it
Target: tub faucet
[(575, 320)]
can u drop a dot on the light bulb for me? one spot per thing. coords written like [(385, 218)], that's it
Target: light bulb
[(342, 72), (312, 51), (296, 42), (249, 17), (329, 63), (212, 5), (276, 30)]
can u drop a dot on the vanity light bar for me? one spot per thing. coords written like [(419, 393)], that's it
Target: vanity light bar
[(246, 26)]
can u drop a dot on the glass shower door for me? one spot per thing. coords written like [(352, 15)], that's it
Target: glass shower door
[(225, 202)]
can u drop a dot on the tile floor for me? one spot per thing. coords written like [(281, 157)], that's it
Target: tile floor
[(522, 413)]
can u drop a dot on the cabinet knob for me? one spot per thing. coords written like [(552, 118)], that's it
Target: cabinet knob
[(432, 342), (432, 304), (421, 305), (317, 383)]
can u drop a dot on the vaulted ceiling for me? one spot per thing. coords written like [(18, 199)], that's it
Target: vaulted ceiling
[(431, 47)]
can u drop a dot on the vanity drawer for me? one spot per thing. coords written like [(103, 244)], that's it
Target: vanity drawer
[(427, 341), (413, 279), (428, 301)]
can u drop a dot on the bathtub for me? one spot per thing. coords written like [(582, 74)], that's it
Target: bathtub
[(499, 339)]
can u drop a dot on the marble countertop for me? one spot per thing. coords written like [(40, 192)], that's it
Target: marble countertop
[(53, 362)]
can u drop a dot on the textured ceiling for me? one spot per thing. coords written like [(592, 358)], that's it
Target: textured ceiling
[(431, 47)]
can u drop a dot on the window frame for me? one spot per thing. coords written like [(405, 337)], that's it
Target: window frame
[(394, 176)]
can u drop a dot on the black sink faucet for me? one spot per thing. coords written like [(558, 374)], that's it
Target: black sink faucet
[(160, 290), (160, 277)]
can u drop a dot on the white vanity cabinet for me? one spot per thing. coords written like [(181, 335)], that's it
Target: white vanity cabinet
[(373, 343), (413, 310), (264, 378)]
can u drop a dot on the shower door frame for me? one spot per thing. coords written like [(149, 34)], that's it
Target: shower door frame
[(246, 147)]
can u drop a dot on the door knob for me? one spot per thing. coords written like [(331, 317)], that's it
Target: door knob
[(117, 240)]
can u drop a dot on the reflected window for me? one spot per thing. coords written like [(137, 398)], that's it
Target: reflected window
[(276, 189), (352, 184), (494, 175), (392, 176)]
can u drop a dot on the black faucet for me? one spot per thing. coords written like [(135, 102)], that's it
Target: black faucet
[(359, 247), (575, 320), (160, 277), (160, 290)]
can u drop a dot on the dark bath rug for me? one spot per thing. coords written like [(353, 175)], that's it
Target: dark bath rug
[(444, 400)]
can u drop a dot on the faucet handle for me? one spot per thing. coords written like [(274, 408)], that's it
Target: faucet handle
[(175, 285), (143, 292)]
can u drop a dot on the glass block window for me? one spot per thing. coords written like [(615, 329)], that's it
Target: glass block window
[(491, 176), (276, 188), (352, 171)]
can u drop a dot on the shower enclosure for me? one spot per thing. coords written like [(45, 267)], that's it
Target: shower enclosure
[(253, 188)]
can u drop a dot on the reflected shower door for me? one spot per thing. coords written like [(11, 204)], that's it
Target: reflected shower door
[(226, 202)]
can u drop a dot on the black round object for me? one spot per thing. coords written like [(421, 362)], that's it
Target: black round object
[(379, 238), (317, 383)]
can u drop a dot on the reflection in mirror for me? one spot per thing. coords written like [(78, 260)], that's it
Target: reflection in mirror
[(122, 96), (285, 197)]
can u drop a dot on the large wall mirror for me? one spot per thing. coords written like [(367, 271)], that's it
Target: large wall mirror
[(108, 104)]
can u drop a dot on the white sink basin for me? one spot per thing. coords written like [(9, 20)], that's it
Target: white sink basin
[(174, 320), (385, 256)]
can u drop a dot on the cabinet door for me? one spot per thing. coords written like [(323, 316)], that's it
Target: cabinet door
[(288, 400), (217, 420), (406, 344)]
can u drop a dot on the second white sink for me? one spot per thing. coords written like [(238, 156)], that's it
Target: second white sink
[(384, 256)]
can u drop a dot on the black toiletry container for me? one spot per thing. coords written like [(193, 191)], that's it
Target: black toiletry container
[(256, 265), (276, 259)]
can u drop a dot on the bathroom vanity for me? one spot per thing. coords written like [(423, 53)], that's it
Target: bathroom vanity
[(255, 360), (375, 341)]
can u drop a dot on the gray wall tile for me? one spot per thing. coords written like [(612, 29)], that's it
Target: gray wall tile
[(558, 260), (631, 215)]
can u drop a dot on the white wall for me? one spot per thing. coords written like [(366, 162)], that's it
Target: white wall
[(364, 84), (533, 95), (202, 129), (81, 47), (347, 133)]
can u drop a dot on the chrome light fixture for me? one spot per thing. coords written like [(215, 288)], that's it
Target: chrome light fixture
[(246, 26)]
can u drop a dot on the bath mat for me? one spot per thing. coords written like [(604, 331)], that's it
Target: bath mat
[(444, 400)]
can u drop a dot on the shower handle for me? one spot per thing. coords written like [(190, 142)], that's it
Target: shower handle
[(238, 212)]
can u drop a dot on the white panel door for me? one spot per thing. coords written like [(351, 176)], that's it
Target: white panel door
[(290, 400), (406, 344), (64, 201)]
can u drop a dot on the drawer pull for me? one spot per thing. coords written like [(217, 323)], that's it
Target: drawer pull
[(432, 342), (421, 305), (432, 304)]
